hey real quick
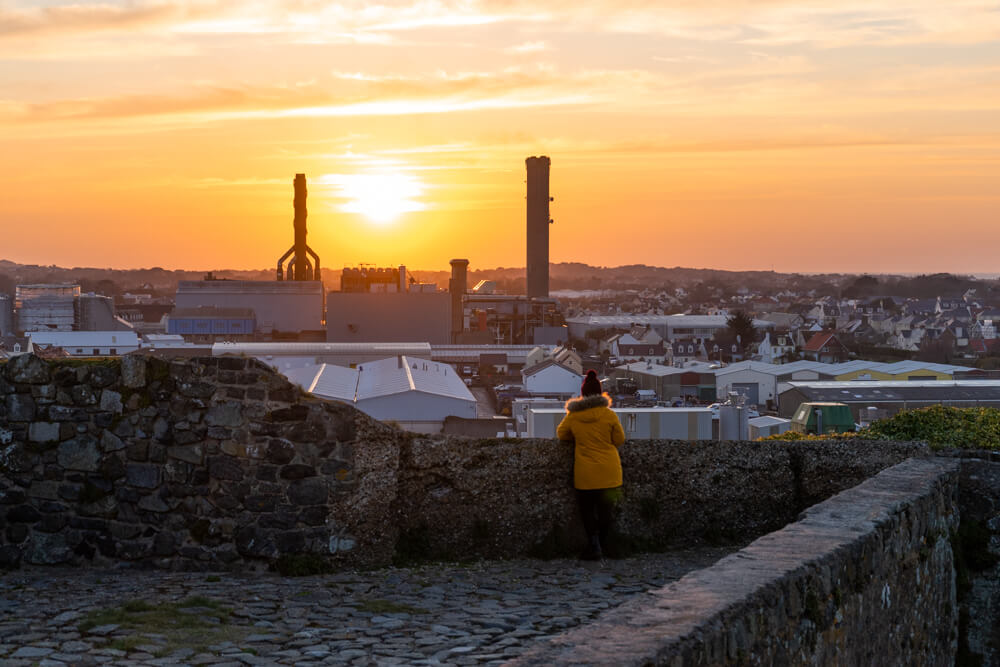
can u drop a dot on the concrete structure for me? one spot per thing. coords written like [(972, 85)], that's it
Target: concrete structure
[(639, 423), (299, 266), (280, 307), (96, 312), (6, 315), (211, 323), (889, 397), (88, 343), (457, 286), (551, 378), (44, 307), (390, 317), (537, 283), (414, 393)]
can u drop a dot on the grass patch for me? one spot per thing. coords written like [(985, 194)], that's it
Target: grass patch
[(195, 622), (380, 606)]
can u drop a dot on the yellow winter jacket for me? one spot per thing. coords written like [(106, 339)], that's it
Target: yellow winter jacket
[(593, 426)]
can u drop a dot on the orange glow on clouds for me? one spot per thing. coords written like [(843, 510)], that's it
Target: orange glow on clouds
[(810, 136)]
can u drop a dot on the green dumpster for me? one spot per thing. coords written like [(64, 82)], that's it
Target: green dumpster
[(832, 418)]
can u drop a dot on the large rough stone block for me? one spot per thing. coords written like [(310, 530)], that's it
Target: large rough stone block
[(111, 401), (48, 549), (133, 371), (229, 414), (43, 432), (309, 491), (80, 453), (225, 467), (142, 475), (20, 407), (28, 369)]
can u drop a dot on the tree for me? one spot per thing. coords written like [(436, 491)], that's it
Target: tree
[(739, 328)]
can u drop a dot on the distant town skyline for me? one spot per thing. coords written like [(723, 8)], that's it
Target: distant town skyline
[(795, 136)]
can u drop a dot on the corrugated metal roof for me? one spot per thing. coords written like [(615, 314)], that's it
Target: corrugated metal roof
[(897, 391), (313, 349), (84, 338), (384, 377)]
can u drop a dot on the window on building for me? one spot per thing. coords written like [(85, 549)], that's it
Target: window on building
[(113, 351), (97, 351), (630, 423)]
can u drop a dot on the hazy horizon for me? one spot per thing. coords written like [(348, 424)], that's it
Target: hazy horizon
[(803, 137)]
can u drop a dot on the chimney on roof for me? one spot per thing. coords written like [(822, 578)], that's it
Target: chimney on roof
[(457, 286), (537, 269)]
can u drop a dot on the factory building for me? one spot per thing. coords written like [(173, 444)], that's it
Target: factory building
[(290, 307), (63, 308), (279, 307), (888, 397), (209, 324), (416, 394), (384, 306), (46, 307), (87, 343), (6, 315)]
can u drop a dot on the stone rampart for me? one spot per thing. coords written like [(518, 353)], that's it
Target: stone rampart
[(220, 463), (866, 577)]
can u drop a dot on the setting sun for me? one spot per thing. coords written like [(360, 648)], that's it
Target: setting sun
[(380, 196)]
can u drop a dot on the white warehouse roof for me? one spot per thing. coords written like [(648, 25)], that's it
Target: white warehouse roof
[(385, 377)]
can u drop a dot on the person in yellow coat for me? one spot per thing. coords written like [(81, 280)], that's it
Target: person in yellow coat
[(593, 427)]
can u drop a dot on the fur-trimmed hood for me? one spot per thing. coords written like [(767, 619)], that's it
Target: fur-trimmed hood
[(581, 403)]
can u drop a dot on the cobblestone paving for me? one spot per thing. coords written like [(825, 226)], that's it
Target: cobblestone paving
[(482, 613)]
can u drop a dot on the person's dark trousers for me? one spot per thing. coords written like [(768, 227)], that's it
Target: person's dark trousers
[(597, 509)]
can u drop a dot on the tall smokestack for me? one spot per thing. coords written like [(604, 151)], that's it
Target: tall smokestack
[(300, 268), (457, 287), (538, 226)]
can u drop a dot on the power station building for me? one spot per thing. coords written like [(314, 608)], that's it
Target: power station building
[(58, 307), (290, 307), (385, 305)]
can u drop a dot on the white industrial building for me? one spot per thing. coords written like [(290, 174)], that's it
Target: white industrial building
[(284, 357), (551, 378), (760, 382), (87, 343), (417, 394), (639, 423)]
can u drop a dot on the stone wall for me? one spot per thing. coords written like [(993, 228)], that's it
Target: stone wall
[(199, 464), (221, 463), (866, 577), (978, 559)]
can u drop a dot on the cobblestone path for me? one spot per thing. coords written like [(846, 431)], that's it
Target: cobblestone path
[(481, 613)]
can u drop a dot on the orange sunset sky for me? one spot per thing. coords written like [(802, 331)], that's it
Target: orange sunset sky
[(799, 136)]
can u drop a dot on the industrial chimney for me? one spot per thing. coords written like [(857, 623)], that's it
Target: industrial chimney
[(538, 226), (299, 268), (457, 287)]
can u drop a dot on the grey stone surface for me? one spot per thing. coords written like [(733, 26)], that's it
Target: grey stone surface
[(80, 453), (133, 371), (865, 577), (43, 432)]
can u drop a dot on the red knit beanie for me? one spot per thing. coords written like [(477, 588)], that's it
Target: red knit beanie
[(591, 385)]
